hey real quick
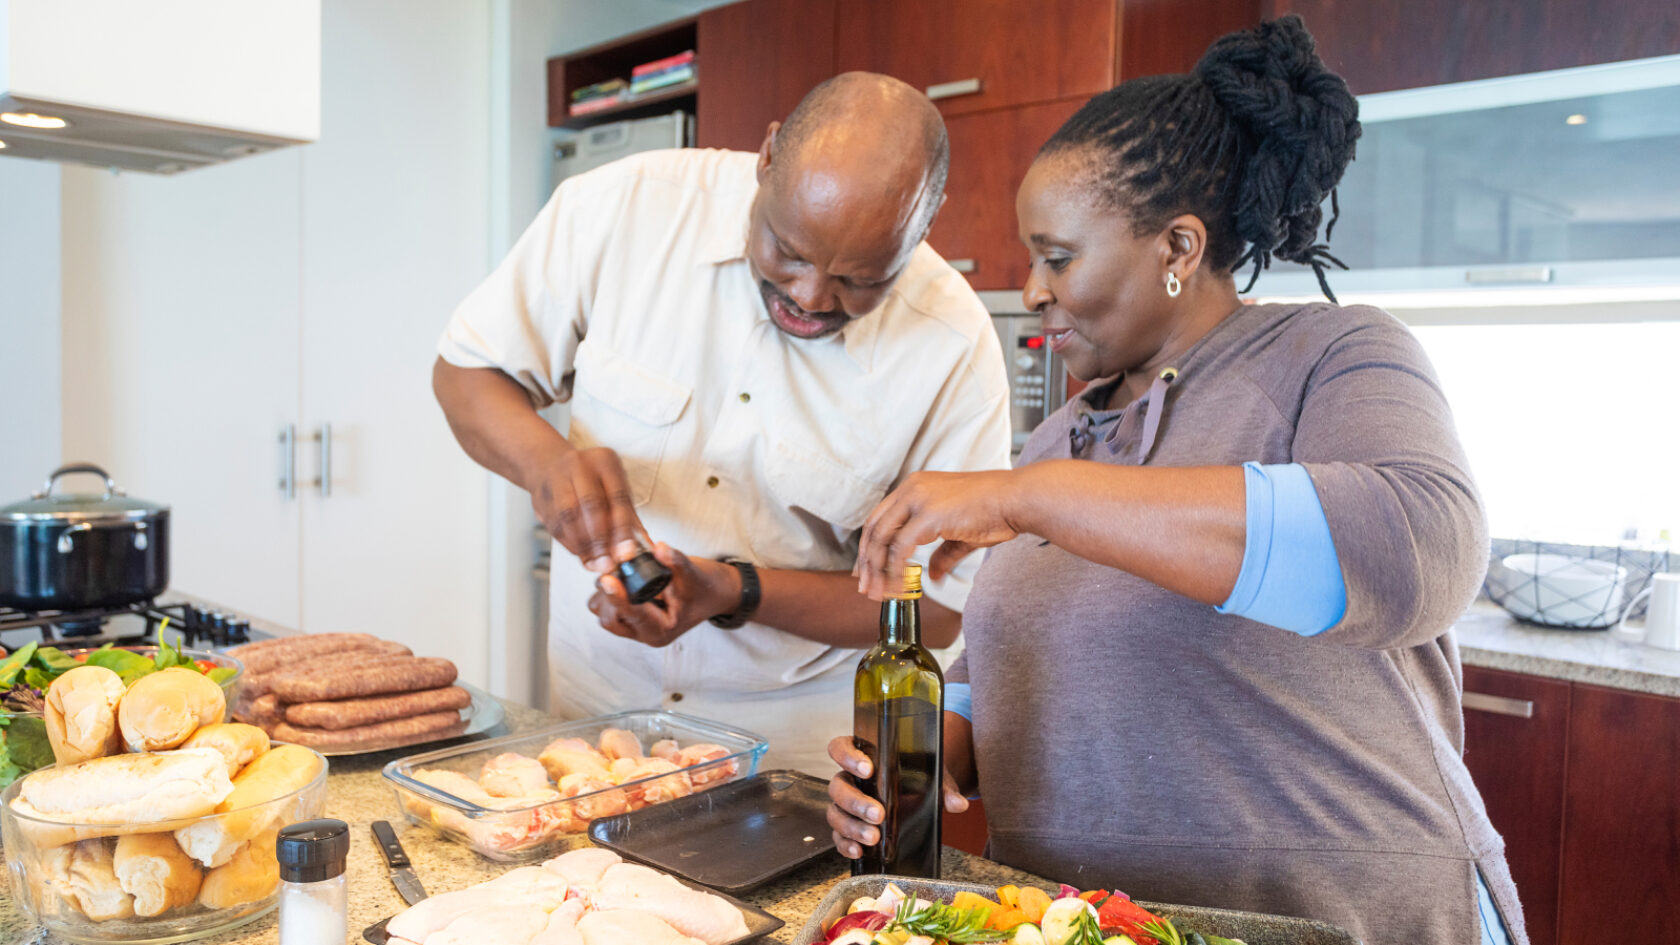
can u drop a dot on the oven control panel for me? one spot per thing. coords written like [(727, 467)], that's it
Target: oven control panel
[(1037, 382)]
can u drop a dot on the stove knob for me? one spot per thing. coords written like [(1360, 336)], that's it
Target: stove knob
[(238, 631)]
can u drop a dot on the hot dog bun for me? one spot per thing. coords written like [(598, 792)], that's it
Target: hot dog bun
[(120, 794), (161, 710), (92, 884), (152, 868), (81, 714), (253, 873), (278, 772), (240, 744)]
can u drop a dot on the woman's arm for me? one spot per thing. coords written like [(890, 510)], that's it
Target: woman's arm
[(1181, 528)]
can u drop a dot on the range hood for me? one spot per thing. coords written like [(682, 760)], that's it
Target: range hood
[(161, 86)]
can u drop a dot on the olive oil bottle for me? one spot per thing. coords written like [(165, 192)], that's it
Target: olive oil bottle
[(898, 721)]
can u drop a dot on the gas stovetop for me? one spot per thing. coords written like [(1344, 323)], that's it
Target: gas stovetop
[(129, 624)]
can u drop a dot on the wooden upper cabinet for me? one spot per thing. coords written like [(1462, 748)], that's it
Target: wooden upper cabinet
[(1379, 47), (1517, 762), (974, 55), (990, 154), (757, 59)]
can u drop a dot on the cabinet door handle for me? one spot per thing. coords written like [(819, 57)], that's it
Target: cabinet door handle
[(1499, 705), (288, 461), (953, 89), (963, 265), (323, 481)]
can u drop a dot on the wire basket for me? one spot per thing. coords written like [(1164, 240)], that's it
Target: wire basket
[(1569, 587)]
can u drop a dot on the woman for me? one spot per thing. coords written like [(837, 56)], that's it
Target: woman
[(1209, 650)]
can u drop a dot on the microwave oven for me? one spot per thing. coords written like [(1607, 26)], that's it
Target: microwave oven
[(1037, 380)]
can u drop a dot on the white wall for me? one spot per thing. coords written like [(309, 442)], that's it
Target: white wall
[(29, 325)]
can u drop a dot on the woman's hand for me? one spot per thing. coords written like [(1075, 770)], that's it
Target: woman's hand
[(854, 817), (968, 511)]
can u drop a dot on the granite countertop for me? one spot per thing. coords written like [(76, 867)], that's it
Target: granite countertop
[(1490, 637), (359, 795)]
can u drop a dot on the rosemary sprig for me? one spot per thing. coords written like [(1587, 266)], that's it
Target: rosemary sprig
[(1163, 931), (939, 921)]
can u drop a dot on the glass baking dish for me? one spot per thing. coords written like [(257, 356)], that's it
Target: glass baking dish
[(526, 832)]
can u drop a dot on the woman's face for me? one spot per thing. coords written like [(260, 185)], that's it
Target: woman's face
[(1099, 290)]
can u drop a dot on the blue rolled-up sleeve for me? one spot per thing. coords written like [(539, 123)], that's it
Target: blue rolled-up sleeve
[(959, 698), (1290, 577)]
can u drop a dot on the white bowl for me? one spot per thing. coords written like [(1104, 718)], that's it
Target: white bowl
[(1563, 591)]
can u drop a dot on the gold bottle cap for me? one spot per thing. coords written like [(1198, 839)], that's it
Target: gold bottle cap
[(912, 583)]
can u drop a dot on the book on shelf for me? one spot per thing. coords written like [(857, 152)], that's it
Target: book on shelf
[(659, 80), (661, 65), (599, 103), (600, 90)]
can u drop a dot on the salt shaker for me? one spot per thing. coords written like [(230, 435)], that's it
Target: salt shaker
[(314, 898)]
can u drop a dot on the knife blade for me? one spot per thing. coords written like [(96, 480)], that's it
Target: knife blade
[(402, 871)]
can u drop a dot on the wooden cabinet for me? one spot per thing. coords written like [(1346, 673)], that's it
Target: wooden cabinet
[(758, 59), (1379, 47), (1586, 793), (973, 55), (1517, 761), (990, 153), (1621, 843)]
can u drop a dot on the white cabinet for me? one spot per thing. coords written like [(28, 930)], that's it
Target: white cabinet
[(205, 312)]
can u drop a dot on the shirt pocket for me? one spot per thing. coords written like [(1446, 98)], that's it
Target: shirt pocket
[(815, 502), (627, 408)]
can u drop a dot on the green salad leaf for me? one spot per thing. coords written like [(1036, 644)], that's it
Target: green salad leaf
[(221, 674), (12, 666), (54, 660), (125, 663), (26, 740)]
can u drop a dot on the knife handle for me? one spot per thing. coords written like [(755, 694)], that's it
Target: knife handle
[(395, 858)]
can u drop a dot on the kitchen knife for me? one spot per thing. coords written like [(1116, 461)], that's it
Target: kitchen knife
[(402, 871)]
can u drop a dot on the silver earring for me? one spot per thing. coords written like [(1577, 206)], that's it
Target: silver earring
[(1173, 285)]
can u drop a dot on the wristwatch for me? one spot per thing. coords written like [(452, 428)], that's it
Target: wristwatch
[(751, 594)]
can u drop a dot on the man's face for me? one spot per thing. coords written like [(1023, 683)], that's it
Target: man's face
[(826, 250)]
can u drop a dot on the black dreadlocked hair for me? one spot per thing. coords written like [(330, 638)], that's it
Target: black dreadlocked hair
[(1251, 142)]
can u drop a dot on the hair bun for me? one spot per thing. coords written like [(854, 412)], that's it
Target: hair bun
[(1302, 120)]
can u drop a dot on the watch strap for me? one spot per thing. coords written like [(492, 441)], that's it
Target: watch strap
[(751, 594)]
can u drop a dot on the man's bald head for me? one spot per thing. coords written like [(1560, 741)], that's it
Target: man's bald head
[(864, 123)]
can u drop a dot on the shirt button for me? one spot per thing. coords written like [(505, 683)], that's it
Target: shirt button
[(746, 397), (711, 482), (676, 697)]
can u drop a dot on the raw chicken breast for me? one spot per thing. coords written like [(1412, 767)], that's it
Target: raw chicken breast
[(511, 774), (689, 911), (665, 748), (528, 885), (565, 756), (605, 802), (701, 754), (562, 925), (583, 867), (494, 923), (523, 823), (622, 927), (675, 784), (619, 743)]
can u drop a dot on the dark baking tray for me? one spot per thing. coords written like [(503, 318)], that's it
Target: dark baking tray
[(1251, 927), (759, 922), (734, 837)]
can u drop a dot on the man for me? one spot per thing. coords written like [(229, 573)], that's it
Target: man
[(757, 349)]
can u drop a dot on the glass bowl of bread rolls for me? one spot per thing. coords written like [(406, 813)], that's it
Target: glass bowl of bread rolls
[(157, 821)]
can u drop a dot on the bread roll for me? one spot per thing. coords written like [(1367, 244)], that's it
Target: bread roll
[(93, 887), (49, 881), (162, 710), (280, 771), (81, 714), (251, 874), (238, 743), (151, 868), (121, 794)]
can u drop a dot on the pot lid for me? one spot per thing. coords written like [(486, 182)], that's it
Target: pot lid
[(110, 506)]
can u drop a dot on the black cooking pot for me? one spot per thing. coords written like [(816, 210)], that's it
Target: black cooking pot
[(80, 551)]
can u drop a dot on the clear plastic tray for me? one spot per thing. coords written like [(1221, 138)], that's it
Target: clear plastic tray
[(519, 834)]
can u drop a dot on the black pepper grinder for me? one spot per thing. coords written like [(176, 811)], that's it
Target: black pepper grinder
[(643, 576)]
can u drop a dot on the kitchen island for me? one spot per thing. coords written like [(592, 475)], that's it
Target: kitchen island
[(358, 795)]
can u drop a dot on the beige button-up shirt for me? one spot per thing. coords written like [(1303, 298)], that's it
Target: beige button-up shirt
[(631, 296)]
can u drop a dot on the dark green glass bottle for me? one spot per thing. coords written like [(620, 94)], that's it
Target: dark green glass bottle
[(898, 721)]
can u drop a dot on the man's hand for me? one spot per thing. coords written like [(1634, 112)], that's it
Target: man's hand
[(699, 590), (584, 501)]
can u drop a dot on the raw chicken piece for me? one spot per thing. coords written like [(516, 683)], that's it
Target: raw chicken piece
[(619, 743), (528, 885), (665, 748), (494, 923), (689, 911), (511, 774), (562, 925), (583, 868), (675, 784), (701, 754), (524, 822), (603, 802), (565, 756), (622, 927)]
